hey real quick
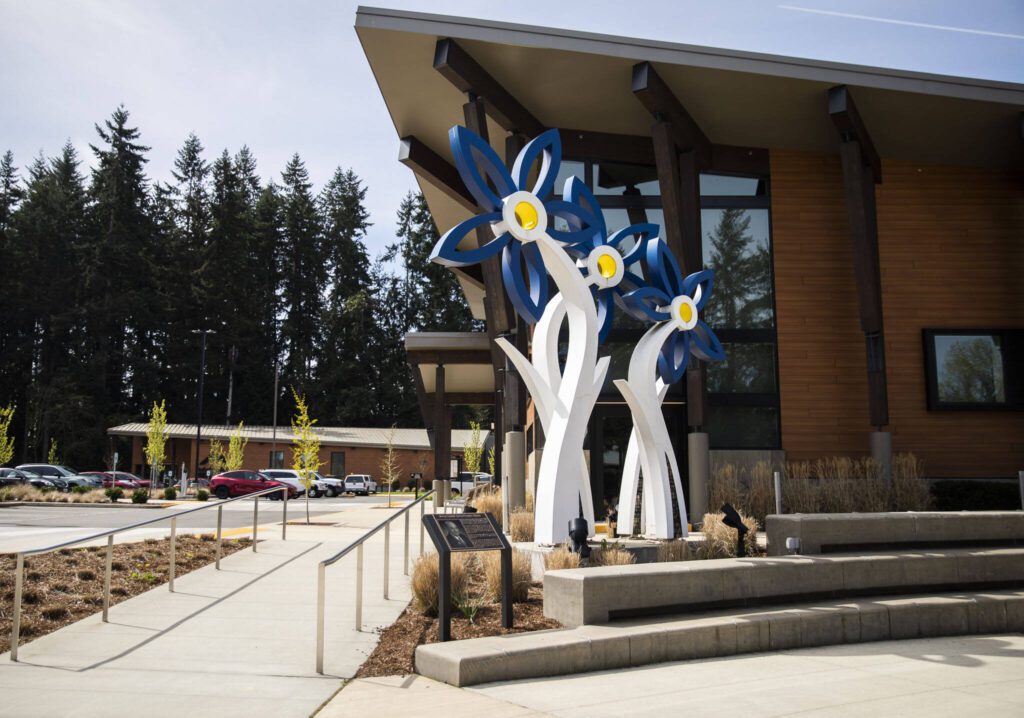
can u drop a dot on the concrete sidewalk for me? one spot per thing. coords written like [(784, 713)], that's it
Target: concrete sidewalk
[(238, 642), (930, 678)]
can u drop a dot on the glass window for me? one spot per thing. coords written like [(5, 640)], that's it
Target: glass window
[(277, 459), (743, 427), (725, 186), (614, 178), (746, 369), (736, 246), (567, 169), (974, 368)]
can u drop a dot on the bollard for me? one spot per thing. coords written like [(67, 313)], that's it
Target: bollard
[(438, 494), (778, 492), (174, 529), (220, 515), (106, 576)]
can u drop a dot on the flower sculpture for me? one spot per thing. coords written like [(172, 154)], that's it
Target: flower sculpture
[(519, 221), (517, 216), (605, 261), (659, 360)]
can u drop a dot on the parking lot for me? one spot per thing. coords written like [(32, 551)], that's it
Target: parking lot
[(25, 527)]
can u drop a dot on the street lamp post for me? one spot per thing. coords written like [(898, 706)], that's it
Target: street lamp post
[(202, 371)]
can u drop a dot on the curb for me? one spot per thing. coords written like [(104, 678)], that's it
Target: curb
[(7, 504)]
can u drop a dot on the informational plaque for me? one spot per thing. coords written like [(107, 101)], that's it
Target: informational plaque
[(470, 532), (451, 533)]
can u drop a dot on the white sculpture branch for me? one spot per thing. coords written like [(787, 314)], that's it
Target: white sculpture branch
[(650, 451)]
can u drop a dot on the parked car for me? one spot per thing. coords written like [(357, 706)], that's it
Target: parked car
[(111, 478), (242, 482), (12, 477), (125, 476), (294, 479), (360, 484), (63, 477), (335, 487)]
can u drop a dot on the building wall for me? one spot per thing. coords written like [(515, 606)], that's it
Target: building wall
[(358, 460), (951, 255)]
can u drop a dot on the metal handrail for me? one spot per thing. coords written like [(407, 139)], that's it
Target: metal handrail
[(357, 546), (110, 533)]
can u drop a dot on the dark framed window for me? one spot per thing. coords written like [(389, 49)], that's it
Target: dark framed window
[(337, 463), (974, 368), (277, 459), (743, 391)]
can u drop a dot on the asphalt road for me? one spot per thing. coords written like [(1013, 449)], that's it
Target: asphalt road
[(25, 527)]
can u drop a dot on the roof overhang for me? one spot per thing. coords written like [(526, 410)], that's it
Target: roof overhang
[(466, 357)]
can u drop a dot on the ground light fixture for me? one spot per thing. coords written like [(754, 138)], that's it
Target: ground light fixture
[(735, 521), (578, 532)]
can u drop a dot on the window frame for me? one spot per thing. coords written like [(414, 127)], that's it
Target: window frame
[(1011, 347)]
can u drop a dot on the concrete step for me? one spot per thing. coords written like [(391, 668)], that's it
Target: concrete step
[(639, 642)]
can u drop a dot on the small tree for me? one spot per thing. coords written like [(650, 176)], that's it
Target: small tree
[(236, 449), (490, 459), (6, 442), (390, 470), (473, 451), (306, 446), (156, 440), (53, 455), (218, 459)]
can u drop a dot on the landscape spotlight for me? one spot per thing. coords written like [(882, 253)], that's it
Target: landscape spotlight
[(578, 533), (732, 520)]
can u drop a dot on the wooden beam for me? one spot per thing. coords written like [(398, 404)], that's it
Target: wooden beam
[(469, 398), (442, 427), (425, 400), (657, 97), (607, 146), (851, 127), (740, 160), (460, 69), (435, 169), (450, 356), (667, 161)]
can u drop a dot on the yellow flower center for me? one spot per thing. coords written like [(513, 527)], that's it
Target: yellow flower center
[(686, 313), (526, 215), (606, 266)]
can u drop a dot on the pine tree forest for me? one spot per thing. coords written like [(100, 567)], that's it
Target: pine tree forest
[(109, 275)]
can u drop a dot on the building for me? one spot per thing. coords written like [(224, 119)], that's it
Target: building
[(866, 226), (343, 450)]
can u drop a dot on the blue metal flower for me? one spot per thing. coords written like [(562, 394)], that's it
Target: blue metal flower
[(671, 297), (515, 213), (607, 261)]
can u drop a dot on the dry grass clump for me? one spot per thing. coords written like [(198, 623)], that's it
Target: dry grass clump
[(521, 526), (561, 558), (613, 555), (720, 540), (425, 581), (910, 492), (675, 550), (836, 484), (521, 575), (488, 502), (31, 493)]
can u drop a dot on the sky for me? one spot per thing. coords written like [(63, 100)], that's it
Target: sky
[(289, 76)]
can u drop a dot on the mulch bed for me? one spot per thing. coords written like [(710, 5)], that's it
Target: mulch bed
[(396, 649), (67, 585)]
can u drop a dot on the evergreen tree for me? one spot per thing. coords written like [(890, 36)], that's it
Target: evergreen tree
[(345, 374), (118, 274), (435, 301), (303, 276)]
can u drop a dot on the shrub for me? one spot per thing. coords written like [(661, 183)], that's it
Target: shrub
[(561, 558), (975, 495), (612, 555), (114, 493), (522, 577), (521, 525), (170, 493), (30, 596), (675, 550), (33, 575), (81, 489), (54, 612), (86, 575), (207, 537), (910, 491), (144, 576), (117, 566), (488, 502), (202, 494), (140, 496), (424, 582), (720, 540)]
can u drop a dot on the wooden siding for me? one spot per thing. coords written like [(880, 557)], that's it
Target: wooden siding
[(951, 246)]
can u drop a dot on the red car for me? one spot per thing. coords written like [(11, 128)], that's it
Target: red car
[(120, 479), (243, 481)]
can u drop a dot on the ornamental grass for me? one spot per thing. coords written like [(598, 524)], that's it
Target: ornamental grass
[(522, 576)]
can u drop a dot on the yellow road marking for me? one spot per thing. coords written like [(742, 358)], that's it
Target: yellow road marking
[(239, 532)]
